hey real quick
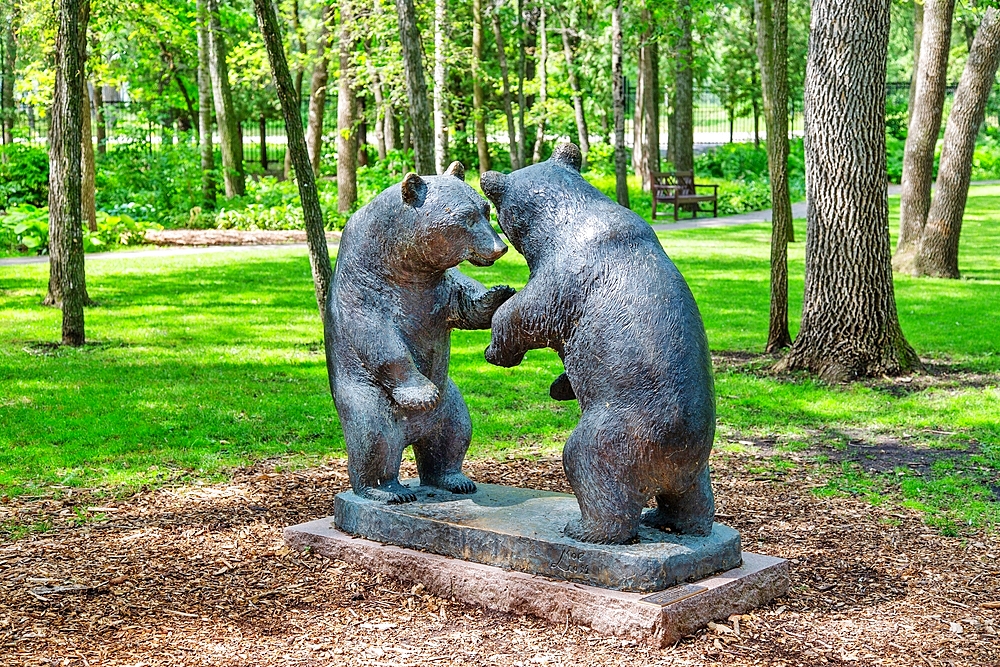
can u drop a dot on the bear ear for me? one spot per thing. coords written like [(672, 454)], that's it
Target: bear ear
[(493, 184), (457, 169), (413, 189), (569, 155)]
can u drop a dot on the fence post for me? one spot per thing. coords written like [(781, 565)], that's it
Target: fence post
[(263, 142)]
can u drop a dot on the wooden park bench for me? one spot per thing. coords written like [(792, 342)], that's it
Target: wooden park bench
[(678, 188)]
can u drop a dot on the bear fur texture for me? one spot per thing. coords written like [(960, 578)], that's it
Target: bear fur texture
[(394, 300), (605, 296)]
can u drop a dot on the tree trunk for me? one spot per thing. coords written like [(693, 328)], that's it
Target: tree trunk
[(507, 102), (300, 73), (392, 138), (521, 65), (938, 255), (208, 185), (651, 113), (168, 58), (319, 254), (347, 106), (618, 93), (67, 276), (12, 21), (922, 135), (440, 77), (230, 142), (637, 113), (918, 34), (755, 104), (684, 95), (380, 110), (543, 85), (582, 134), (421, 130), (100, 127), (478, 107), (361, 123), (88, 168), (646, 145), (850, 328), (772, 54), (317, 90)]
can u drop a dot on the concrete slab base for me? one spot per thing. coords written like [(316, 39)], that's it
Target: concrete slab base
[(659, 618)]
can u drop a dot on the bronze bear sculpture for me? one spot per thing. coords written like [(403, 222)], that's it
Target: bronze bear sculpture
[(393, 301), (604, 295)]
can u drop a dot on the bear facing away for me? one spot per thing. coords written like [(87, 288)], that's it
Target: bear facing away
[(394, 299), (604, 295)]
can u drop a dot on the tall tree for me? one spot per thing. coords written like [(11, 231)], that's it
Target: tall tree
[(230, 142), (67, 276), (440, 79), (522, 64), (918, 34), (319, 254), (646, 125), (11, 18), (582, 133), (317, 89), (420, 126), (618, 95), (478, 105), (88, 168), (925, 124), (772, 53), (938, 254), (684, 91), (543, 84), (300, 70), (347, 108), (508, 105), (850, 327), (208, 185)]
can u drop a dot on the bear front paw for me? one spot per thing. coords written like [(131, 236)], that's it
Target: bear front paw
[(496, 296), (423, 396), (498, 358)]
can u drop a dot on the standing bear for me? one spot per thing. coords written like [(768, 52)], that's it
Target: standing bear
[(394, 299), (604, 295)]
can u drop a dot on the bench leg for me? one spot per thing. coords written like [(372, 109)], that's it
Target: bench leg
[(715, 208)]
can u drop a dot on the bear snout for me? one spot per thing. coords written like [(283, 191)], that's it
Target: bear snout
[(485, 255)]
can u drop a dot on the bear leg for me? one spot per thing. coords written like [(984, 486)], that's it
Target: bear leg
[(440, 455), (596, 460), (689, 512)]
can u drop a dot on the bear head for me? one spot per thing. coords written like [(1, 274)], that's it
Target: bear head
[(534, 196), (450, 221)]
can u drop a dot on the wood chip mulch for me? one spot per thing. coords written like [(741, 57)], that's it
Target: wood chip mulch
[(218, 237), (198, 575)]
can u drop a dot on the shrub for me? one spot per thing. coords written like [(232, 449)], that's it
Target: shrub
[(601, 158), (24, 176), (25, 228), (160, 186)]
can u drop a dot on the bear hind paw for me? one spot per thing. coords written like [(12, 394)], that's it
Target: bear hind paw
[(593, 533), (390, 493), (455, 482)]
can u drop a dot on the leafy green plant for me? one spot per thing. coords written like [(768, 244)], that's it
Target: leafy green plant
[(24, 175), (25, 228)]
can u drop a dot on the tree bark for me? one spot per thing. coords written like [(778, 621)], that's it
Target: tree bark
[(582, 134), (938, 254), (918, 34), (100, 127), (88, 169), (772, 54), (508, 105), (521, 104), (478, 107), (684, 92), (317, 90), (421, 130), (380, 110), (850, 328), (618, 93), (230, 141), (300, 72), (922, 135), (646, 144), (208, 185), (319, 255), (543, 85), (12, 21), (347, 107), (637, 113), (440, 77), (67, 276)]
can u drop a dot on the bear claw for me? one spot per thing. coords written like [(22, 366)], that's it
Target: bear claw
[(456, 483), (390, 493)]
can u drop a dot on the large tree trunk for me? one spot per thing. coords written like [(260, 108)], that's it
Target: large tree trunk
[(938, 255), (922, 135), (618, 93), (508, 105), (850, 328), (646, 142), (772, 53), (637, 113), (421, 130), (317, 90), (208, 185), (11, 22), (543, 85), (521, 104), (440, 78), (380, 109), (300, 73), (347, 107), (67, 276), (230, 141), (918, 34), (100, 124), (478, 107), (684, 92), (582, 133), (88, 168), (319, 254)]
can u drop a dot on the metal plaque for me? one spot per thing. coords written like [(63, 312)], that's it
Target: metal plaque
[(674, 594)]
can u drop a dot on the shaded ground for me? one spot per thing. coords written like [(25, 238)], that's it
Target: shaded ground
[(199, 575)]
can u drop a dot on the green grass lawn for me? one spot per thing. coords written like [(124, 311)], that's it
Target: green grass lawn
[(201, 363)]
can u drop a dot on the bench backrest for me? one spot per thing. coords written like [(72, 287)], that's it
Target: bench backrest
[(683, 179)]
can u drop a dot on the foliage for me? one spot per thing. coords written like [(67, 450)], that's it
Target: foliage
[(24, 175), (159, 186), (25, 228), (747, 181)]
